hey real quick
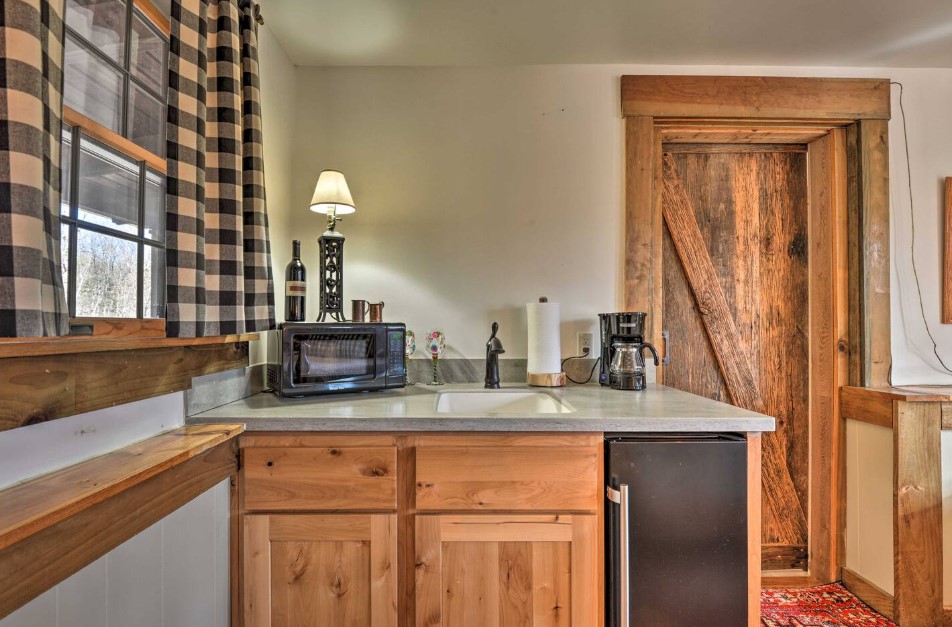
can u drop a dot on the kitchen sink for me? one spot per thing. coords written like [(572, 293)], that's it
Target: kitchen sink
[(500, 402)]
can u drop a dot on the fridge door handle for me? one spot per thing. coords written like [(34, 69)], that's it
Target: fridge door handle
[(620, 496)]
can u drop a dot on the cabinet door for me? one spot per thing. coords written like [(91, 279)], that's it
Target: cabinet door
[(484, 570), (318, 570)]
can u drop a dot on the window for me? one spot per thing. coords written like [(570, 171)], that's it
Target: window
[(113, 200)]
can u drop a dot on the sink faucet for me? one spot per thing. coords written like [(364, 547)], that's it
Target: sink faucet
[(493, 349)]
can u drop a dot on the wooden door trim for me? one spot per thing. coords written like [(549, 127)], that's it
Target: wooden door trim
[(844, 123), (755, 97)]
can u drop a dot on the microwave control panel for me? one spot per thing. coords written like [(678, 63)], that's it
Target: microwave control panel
[(397, 345)]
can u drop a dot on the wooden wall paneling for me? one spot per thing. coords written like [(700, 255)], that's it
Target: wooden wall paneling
[(110, 335), (754, 517), (780, 494), (868, 592), (917, 522), (868, 180), (947, 254), (32, 564), (38, 389), (755, 97)]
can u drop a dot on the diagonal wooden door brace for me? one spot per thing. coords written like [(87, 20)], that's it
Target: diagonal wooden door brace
[(728, 349)]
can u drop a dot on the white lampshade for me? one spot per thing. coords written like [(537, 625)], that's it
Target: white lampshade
[(332, 195)]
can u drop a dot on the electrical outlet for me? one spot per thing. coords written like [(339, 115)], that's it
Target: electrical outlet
[(585, 343)]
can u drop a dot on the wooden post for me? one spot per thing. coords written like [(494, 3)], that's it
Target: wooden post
[(868, 175), (917, 513)]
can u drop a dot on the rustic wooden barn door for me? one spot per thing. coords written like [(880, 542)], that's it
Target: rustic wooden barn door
[(736, 301)]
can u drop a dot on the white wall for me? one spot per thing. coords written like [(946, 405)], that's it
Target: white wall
[(278, 104), (480, 189), (173, 574)]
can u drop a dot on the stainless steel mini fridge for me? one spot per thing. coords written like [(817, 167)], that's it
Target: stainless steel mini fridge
[(676, 534)]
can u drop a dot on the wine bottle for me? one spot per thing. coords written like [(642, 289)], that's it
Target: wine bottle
[(295, 286)]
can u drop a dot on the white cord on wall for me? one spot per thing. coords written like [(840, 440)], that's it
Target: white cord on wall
[(912, 245)]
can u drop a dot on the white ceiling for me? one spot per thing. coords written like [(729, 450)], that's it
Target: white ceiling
[(898, 33)]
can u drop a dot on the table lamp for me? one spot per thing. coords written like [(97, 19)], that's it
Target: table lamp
[(332, 198)]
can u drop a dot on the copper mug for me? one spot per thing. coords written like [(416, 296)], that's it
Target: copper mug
[(376, 311), (358, 310)]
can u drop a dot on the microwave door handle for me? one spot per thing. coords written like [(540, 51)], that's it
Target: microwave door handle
[(620, 496)]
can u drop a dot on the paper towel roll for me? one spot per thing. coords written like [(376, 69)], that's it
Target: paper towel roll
[(545, 350)]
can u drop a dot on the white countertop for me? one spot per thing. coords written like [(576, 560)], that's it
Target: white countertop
[(595, 409)]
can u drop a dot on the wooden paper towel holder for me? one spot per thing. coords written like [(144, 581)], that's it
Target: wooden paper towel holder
[(556, 380)]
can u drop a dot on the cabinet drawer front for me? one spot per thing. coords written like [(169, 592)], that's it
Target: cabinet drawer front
[(319, 478), (507, 478)]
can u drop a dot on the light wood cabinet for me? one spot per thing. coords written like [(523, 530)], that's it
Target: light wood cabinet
[(477, 570), (355, 530), (304, 570)]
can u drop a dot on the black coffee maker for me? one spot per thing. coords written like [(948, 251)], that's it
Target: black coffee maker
[(623, 344)]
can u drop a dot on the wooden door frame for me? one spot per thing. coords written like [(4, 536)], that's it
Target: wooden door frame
[(844, 123)]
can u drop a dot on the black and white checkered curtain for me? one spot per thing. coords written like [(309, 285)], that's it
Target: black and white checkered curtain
[(32, 298), (219, 258)]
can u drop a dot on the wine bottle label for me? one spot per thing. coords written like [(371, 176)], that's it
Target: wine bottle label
[(295, 288)]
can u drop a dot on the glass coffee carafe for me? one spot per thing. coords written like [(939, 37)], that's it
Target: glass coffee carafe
[(627, 371)]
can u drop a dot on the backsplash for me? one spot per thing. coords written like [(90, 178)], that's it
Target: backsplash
[(221, 388)]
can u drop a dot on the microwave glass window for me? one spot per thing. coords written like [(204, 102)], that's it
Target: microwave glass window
[(334, 357)]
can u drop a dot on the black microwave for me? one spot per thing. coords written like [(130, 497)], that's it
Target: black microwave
[(306, 358)]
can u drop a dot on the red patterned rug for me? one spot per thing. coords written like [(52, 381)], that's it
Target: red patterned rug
[(821, 606)]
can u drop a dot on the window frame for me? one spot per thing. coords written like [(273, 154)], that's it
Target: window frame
[(84, 128)]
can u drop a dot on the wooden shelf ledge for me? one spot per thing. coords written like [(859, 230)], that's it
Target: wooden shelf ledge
[(54, 525), (875, 405), (37, 347)]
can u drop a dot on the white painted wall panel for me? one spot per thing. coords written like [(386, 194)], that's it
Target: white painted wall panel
[(83, 597), (40, 449), (40, 612), (189, 560), (170, 575), (134, 580), (869, 506)]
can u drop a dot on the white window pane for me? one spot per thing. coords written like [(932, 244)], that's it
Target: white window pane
[(92, 87), (146, 120), (66, 157), (150, 54), (153, 283), (105, 276), (154, 206), (108, 188), (100, 22)]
